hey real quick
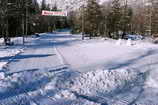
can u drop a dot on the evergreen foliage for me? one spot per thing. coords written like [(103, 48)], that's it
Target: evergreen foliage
[(21, 17), (154, 18), (114, 18), (93, 16)]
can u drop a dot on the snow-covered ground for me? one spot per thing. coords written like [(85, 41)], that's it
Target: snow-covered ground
[(61, 69), (6, 55)]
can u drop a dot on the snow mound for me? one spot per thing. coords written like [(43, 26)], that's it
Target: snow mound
[(100, 82), (67, 87), (102, 86)]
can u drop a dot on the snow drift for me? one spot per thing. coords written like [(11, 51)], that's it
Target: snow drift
[(100, 86), (68, 88)]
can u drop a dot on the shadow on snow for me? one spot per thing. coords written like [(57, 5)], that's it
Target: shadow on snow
[(116, 65), (25, 57)]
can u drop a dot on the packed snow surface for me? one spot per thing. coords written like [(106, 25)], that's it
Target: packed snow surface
[(7, 55), (62, 69)]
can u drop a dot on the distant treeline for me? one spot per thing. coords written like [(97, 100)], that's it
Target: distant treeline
[(116, 17), (110, 19), (23, 17)]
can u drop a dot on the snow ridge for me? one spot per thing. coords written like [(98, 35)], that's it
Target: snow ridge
[(101, 86), (61, 58)]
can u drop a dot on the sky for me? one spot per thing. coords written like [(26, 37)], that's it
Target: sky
[(63, 4), (49, 1)]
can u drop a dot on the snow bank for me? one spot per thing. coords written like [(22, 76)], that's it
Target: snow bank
[(101, 81), (72, 88), (101, 85), (26, 86), (128, 42), (17, 83), (145, 43)]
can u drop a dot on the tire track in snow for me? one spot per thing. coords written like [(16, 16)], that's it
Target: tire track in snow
[(26, 98), (60, 56), (17, 100)]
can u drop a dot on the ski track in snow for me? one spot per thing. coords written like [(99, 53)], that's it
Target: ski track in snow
[(62, 85)]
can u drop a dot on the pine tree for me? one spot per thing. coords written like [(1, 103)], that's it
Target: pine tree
[(75, 21), (114, 18), (43, 5), (54, 19), (139, 23), (51, 20), (44, 21), (2, 18), (92, 18), (154, 21), (126, 18)]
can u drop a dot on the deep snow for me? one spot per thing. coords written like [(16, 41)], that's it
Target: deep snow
[(61, 69)]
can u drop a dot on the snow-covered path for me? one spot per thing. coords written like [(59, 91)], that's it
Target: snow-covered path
[(30, 71), (55, 50), (95, 54), (40, 54), (52, 51)]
